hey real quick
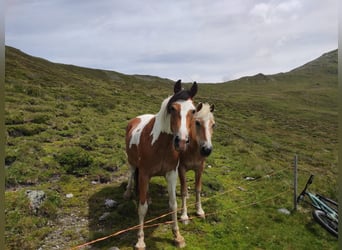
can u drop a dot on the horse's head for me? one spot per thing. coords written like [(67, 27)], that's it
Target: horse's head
[(181, 110), (204, 122)]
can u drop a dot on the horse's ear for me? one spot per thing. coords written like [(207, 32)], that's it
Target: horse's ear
[(193, 90), (178, 86), (212, 108), (199, 107)]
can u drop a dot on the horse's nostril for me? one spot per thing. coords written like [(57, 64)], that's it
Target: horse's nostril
[(176, 141), (206, 151)]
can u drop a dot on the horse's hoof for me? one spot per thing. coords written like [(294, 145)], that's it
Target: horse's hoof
[(185, 222), (180, 242), (185, 219), (140, 247), (201, 214)]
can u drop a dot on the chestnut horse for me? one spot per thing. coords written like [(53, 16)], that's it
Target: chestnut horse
[(194, 157), (153, 145)]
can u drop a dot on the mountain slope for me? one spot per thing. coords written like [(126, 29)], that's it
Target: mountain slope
[(65, 135), (322, 68)]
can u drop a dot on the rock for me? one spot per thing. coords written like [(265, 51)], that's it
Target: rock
[(36, 198), (109, 203), (226, 170), (104, 216), (284, 211), (114, 248), (69, 195), (248, 178)]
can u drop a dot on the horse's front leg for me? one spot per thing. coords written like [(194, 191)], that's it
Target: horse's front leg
[(184, 194), (142, 210), (171, 178), (198, 187)]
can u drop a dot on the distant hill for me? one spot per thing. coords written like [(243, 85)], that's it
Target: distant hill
[(15, 57), (325, 64), (324, 67)]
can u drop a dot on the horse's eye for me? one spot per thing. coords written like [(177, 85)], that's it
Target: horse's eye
[(198, 124), (173, 109), (193, 111), (214, 125)]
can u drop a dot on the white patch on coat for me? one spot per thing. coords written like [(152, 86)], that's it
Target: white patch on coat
[(136, 133)]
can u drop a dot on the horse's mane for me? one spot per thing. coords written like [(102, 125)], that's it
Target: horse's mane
[(181, 95), (162, 121), (205, 110)]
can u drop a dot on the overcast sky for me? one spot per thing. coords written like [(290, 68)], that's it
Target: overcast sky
[(192, 40)]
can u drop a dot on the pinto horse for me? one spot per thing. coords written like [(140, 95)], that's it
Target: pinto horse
[(153, 145), (193, 158)]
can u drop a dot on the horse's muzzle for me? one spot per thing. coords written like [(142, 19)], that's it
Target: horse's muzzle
[(206, 151), (180, 145)]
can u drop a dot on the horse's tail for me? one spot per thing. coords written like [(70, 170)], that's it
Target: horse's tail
[(136, 181)]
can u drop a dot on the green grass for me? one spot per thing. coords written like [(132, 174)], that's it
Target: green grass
[(65, 131)]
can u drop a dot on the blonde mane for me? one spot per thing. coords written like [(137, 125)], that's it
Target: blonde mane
[(204, 111)]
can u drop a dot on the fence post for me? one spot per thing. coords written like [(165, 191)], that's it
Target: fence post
[(295, 179)]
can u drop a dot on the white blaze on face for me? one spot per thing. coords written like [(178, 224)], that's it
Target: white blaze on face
[(186, 106), (207, 119), (207, 126), (136, 133)]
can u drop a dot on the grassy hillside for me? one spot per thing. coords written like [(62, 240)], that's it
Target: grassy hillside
[(65, 135)]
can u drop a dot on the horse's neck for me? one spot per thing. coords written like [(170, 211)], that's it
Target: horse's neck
[(161, 124), (191, 158), (193, 146)]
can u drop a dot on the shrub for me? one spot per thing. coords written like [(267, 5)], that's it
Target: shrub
[(13, 119), (49, 208), (20, 173), (87, 142), (24, 130), (10, 158), (75, 160), (41, 119)]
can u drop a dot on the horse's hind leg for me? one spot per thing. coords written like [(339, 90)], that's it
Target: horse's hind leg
[(128, 193)]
